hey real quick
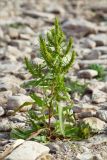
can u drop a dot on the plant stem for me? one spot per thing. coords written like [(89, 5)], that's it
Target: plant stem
[(49, 120)]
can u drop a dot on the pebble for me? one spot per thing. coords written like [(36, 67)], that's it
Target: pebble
[(2, 112), (88, 156), (94, 54), (99, 96), (102, 49), (17, 118), (86, 63), (16, 101), (95, 123), (88, 43), (87, 73), (102, 114), (4, 124), (79, 27), (28, 150), (100, 39), (13, 33)]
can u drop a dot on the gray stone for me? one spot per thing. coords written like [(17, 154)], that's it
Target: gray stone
[(25, 36), (102, 114), (4, 135), (13, 53), (79, 27), (104, 88), (29, 150), (55, 9), (17, 118), (4, 124), (13, 33), (10, 67), (1, 34), (102, 49), (95, 84), (88, 43), (99, 96), (86, 63), (94, 54), (88, 156), (100, 39), (15, 125), (4, 96), (17, 100), (34, 13), (11, 83), (2, 112), (87, 73), (95, 123)]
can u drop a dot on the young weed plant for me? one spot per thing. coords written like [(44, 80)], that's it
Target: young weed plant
[(76, 87), (52, 117), (100, 69)]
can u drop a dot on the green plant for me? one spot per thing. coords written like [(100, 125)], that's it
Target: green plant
[(52, 117), (100, 69), (17, 25), (76, 87)]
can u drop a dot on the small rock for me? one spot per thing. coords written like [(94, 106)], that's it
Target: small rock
[(86, 98), (1, 34), (100, 39), (86, 110), (4, 135), (104, 88), (87, 63), (4, 95), (102, 114), (10, 67), (94, 54), (95, 84), (13, 33), (85, 114), (17, 100), (28, 150), (95, 123), (99, 96), (102, 49), (2, 112), (79, 27), (13, 52), (11, 83), (88, 43), (15, 125), (87, 73), (56, 9), (17, 118), (88, 156), (25, 36), (35, 14), (4, 124)]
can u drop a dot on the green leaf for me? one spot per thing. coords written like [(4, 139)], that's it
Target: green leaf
[(68, 46), (30, 67), (37, 99), (41, 138), (23, 105), (70, 63)]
